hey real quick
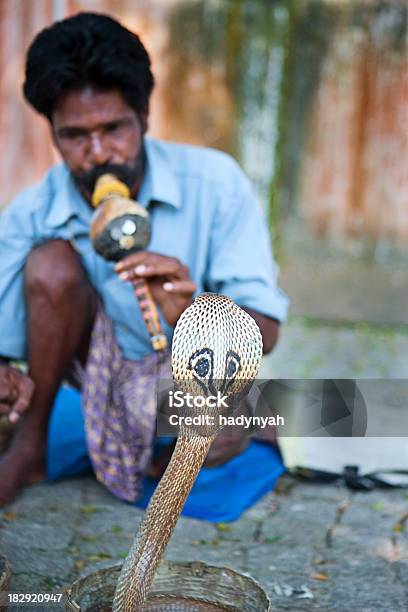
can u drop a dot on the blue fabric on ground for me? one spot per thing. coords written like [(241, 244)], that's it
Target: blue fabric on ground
[(219, 494), (67, 453)]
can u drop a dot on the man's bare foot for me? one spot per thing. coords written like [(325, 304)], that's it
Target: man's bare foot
[(21, 465)]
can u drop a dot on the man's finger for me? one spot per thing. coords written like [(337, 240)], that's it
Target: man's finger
[(165, 267), (131, 261), (19, 407), (13, 417), (28, 388), (184, 287), (23, 393), (9, 395), (142, 258)]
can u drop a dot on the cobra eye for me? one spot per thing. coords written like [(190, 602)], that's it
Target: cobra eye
[(202, 367), (233, 364), (201, 362), (231, 369)]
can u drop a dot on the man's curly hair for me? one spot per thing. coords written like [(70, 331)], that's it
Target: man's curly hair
[(87, 49)]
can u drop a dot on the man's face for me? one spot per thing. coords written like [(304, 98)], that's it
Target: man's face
[(97, 132)]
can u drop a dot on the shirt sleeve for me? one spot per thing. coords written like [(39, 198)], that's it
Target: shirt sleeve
[(241, 263), (15, 245)]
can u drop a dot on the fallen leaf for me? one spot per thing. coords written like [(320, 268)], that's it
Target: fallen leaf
[(400, 526), (320, 576), (271, 540), (90, 538), (79, 564), (89, 509), (99, 556), (319, 561), (223, 527)]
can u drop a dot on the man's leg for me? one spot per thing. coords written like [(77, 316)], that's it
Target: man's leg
[(61, 310)]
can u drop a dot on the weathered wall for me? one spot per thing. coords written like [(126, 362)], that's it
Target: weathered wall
[(311, 96), (25, 149), (354, 172)]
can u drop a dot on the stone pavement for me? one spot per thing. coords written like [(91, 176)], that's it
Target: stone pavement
[(311, 547)]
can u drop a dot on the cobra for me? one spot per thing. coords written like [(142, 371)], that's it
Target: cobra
[(217, 346)]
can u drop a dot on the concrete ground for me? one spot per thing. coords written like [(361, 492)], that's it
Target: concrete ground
[(311, 547)]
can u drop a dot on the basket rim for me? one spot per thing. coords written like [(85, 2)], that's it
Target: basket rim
[(5, 572), (197, 566)]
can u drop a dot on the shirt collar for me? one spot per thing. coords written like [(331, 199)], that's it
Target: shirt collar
[(159, 185)]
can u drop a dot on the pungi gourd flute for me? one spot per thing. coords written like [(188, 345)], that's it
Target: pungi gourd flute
[(121, 226)]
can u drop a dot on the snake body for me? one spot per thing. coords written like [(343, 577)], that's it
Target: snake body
[(216, 347)]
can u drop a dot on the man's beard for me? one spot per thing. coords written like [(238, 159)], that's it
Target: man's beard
[(129, 175)]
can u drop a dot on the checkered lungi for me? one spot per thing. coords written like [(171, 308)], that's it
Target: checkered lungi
[(120, 404)]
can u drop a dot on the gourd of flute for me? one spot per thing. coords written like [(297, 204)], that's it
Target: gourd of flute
[(119, 226)]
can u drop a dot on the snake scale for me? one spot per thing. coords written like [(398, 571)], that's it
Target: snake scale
[(217, 346)]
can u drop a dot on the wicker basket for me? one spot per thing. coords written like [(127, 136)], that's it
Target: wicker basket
[(205, 587), (5, 574)]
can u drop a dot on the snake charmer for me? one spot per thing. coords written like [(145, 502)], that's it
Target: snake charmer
[(66, 311)]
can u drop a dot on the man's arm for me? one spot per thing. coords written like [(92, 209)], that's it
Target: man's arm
[(16, 241), (269, 329), (241, 263)]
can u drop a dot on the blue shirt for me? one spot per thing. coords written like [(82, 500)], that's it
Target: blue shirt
[(203, 211)]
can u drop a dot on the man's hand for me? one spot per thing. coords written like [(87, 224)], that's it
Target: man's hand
[(16, 391), (168, 279)]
